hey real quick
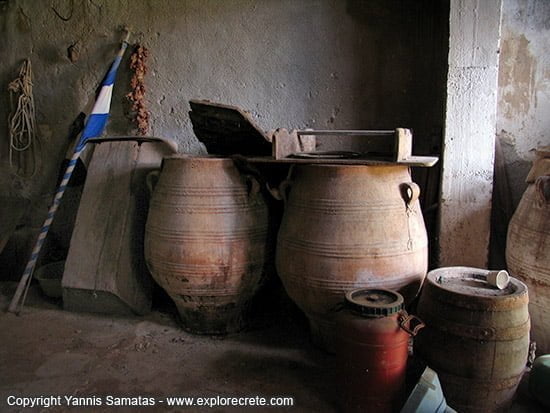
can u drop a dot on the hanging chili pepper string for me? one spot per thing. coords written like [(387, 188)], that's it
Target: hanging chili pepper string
[(138, 65)]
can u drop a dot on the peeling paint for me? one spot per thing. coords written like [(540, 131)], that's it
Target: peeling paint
[(523, 120), (517, 81)]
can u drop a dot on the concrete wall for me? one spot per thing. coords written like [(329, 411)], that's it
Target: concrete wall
[(468, 152), (523, 121)]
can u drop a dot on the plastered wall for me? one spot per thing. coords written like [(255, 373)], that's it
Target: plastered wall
[(523, 120), (322, 64), (319, 64)]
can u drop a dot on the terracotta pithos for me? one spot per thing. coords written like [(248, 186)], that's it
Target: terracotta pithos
[(349, 227), (206, 241), (528, 247), (476, 337)]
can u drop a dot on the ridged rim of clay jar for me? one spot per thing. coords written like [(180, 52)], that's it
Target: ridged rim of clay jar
[(208, 158), (342, 166)]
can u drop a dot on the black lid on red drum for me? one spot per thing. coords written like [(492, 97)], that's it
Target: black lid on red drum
[(374, 302)]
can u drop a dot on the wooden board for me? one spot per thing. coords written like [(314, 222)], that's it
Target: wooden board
[(286, 143), (379, 147), (227, 130), (105, 271), (418, 161), (391, 144)]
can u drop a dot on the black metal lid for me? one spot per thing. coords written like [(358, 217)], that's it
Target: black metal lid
[(374, 302)]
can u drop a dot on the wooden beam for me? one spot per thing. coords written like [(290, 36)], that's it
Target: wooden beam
[(286, 143)]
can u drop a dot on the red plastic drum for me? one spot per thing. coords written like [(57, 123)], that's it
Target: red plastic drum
[(372, 337)]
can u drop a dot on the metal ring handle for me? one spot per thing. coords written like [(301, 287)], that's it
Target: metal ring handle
[(405, 321)]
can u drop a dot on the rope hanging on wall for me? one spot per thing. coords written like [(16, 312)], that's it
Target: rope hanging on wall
[(22, 124)]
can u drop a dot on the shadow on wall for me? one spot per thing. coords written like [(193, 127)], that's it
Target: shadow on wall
[(401, 67), (401, 71)]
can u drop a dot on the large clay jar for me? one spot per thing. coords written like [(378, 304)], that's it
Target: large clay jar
[(349, 227), (206, 241), (528, 248)]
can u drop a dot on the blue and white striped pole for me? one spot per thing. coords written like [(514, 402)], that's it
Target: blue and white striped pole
[(94, 128)]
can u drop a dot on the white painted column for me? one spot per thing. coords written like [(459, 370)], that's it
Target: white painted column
[(470, 127)]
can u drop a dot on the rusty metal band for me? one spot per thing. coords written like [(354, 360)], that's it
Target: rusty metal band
[(475, 332), (484, 385)]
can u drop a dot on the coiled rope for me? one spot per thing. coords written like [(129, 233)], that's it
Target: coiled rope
[(22, 124)]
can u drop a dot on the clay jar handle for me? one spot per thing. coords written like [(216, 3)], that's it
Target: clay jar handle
[(281, 192), (151, 181), (253, 185), (410, 192), (542, 186), (405, 322)]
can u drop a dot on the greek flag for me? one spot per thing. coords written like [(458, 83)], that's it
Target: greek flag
[(93, 128), (100, 112)]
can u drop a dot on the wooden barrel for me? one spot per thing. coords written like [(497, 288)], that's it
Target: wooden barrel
[(206, 241), (528, 248), (349, 227), (476, 337)]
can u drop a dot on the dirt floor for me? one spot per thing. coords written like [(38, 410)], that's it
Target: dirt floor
[(47, 351)]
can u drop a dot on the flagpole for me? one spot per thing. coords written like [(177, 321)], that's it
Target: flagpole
[(92, 129)]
